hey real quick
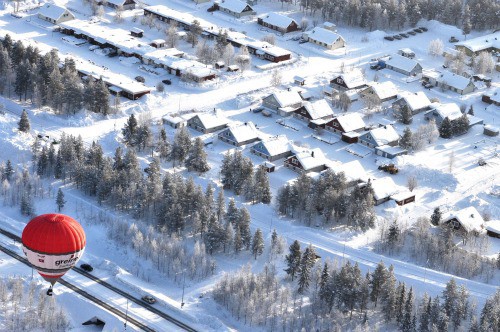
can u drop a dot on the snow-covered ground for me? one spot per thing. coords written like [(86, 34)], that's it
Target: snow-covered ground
[(467, 183)]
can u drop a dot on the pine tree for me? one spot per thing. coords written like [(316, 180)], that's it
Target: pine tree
[(27, 208), (461, 125), (471, 110), (244, 227), (466, 24), (377, 281), (181, 145), (60, 200), (306, 265), (293, 259), (436, 217), (101, 95), (238, 242), (323, 282), (228, 236), (130, 131), (262, 190), (24, 123), (388, 295), (197, 157), (257, 243), (406, 141), (195, 31), (400, 302), (8, 171), (232, 213), (446, 128), (393, 235), (407, 322), (425, 311)]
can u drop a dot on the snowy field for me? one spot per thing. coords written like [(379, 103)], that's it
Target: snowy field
[(439, 185)]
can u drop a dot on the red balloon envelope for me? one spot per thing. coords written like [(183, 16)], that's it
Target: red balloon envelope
[(53, 244)]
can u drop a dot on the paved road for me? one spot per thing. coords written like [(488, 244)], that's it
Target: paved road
[(99, 302)]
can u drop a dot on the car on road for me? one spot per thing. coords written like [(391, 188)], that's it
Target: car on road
[(166, 82), (149, 299), (389, 38), (87, 267)]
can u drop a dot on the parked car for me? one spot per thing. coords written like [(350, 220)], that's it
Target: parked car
[(481, 162), (149, 299), (428, 86), (453, 39), (258, 109), (398, 37), (140, 79), (87, 267), (423, 28), (404, 35), (302, 41), (389, 38), (166, 82), (390, 168), (411, 32), (418, 30)]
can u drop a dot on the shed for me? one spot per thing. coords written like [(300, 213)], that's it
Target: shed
[(490, 130), (233, 68), (220, 64), (269, 167), (136, 32), (403, 197), (158, 43), (493, 228), (390, 152), (299, 80)]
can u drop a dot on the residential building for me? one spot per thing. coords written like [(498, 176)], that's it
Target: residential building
[(381, 91), (403, 65), (278, 22), (316, 113), (55, 14), (273, 148), (351, 80), (207, 123), (285, 103), (239, 135), (449, 81), (307, 161), (235, 8), (417, 102), (380, 136), (325, 38), (488, 43), (467, 220)]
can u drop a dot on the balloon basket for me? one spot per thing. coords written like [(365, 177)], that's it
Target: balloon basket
[(50, 291)]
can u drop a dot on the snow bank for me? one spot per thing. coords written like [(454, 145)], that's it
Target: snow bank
[(431, 178)]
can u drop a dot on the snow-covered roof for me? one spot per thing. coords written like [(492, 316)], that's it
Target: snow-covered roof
[(351, 121), (353, 79), (311, 159), (384, 135), (453, 80), (482, 43), (415, 101), (318, 109), (493, 226), (278, 20), (235, 6), (384, 90), (243, 132), (469, 218), (353, 170), (401, 62), (52, 11), (116, 2), (383, 187), (402, 195), (287, 98), (323, 35), (200, 72), (158, 41), (406, 50), (136, 30), (276, 145), (329, 25), (211, 121), (391, 149), (494, 96), (448, 110)]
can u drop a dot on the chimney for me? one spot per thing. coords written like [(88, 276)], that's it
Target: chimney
[(246, 123), (312, 154), (472, 215)]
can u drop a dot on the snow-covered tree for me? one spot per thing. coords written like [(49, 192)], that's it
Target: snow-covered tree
[(60, 200), (196, 159), (446, 128), (293, 259), (24, 123), (257, 243), (306, 264), (436, 47), (181, 146)]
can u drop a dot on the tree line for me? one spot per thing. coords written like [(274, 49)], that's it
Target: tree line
[(335, 297), (45, 80), (329, 197)]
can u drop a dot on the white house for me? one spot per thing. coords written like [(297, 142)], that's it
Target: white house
[(385, 135), (240, 134), (449, 81), (324, 37), (467, 220), (416, 102), (55, 14), (383, 91), (236, 8), (403, 65), (278, 22)]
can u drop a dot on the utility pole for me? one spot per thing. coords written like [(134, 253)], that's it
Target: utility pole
[(126, 317), (183, 286)]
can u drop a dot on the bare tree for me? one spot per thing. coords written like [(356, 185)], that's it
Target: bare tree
[(411, 182), (172, 36), (275, 78), (269, 38)]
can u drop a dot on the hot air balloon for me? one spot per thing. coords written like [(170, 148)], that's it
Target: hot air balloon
[(53, 244)]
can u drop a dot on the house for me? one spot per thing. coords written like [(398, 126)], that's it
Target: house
[(273, 148), (490, 130), (115, 4), (492, 97), (325, 38), (239, 135), (403, 65), (235, 8), (136, 32), (269, 167), (489, 43), (353, 171), (449, 81), (347, 123), (306, 161), (377, 137), (283, 102), (199, 74), (493, 228), (158, 43), (404, 197), (441, 111), (278, 22), (417, 102), (390, 152), (383, 189), (316, 113), (233, 68), (381, 91), (207, 123), (220, 64), (467, 220), (349, 81), (55, 14)]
